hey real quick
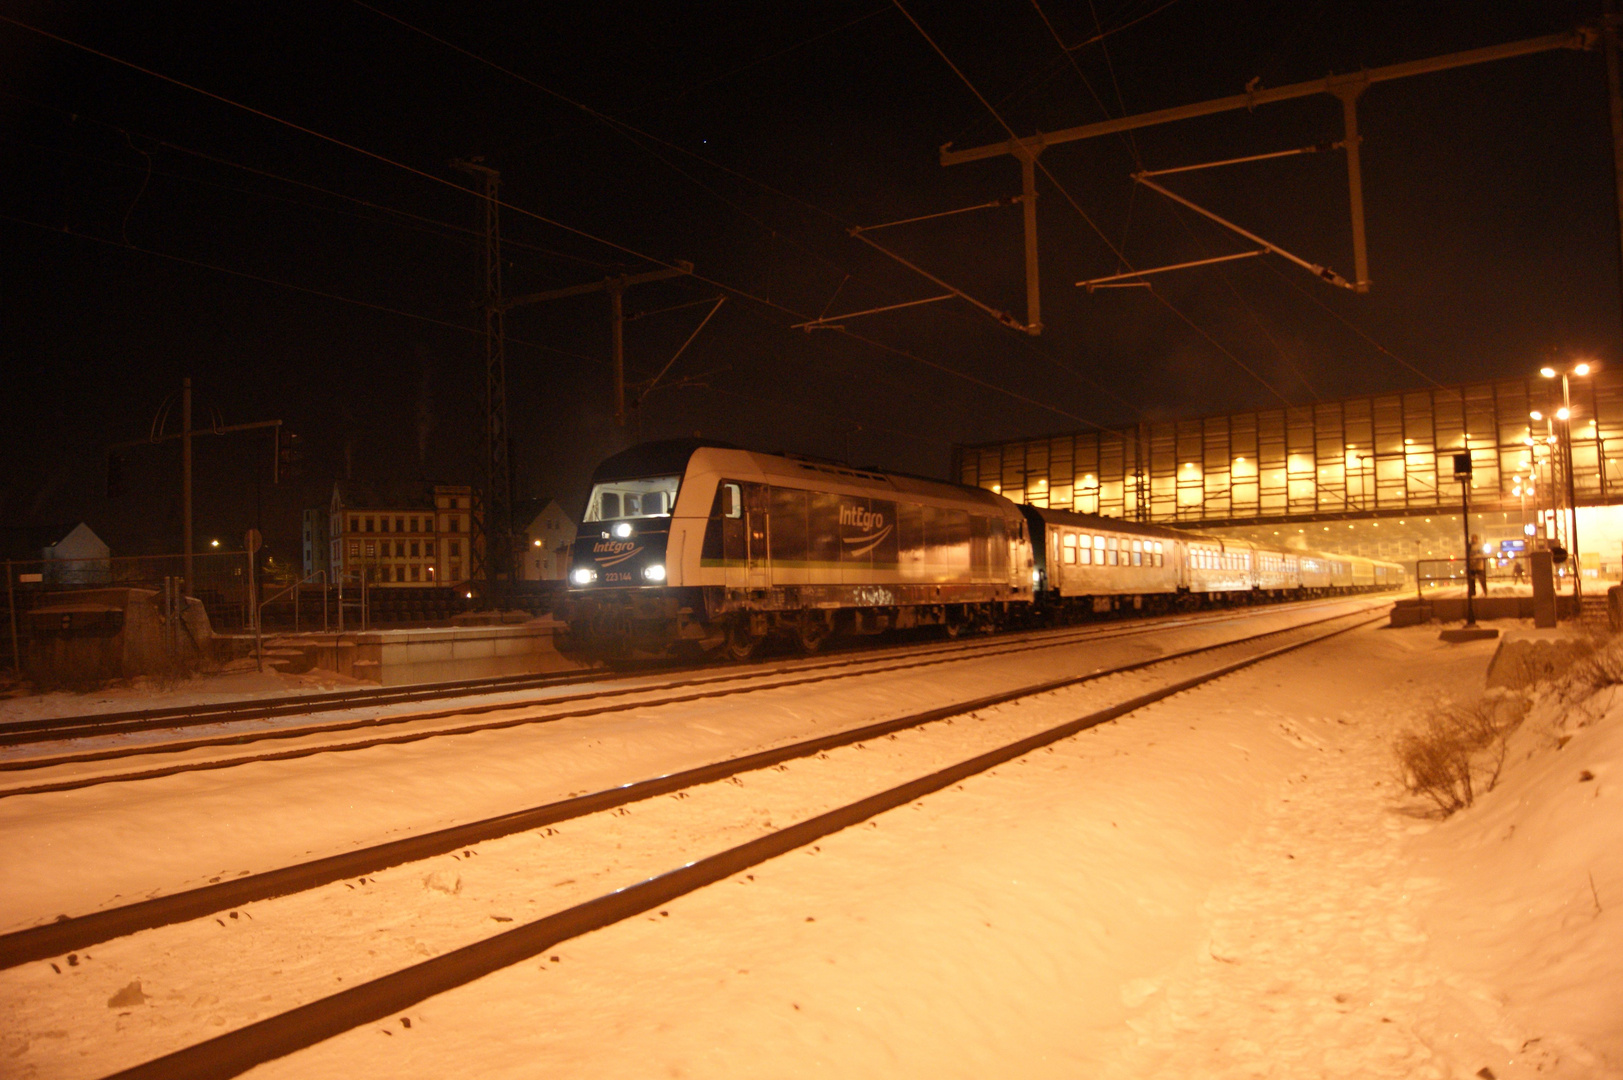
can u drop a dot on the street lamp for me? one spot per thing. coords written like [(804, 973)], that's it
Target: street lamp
[(1550, 371)]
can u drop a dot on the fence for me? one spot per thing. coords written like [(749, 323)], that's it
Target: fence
[(1498, 570), (221, 582)]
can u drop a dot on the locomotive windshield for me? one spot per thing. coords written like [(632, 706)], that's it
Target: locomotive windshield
[(616, 500)]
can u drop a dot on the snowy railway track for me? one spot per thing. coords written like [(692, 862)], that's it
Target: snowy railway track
[(241, 710), (385, 995), (33, 775)]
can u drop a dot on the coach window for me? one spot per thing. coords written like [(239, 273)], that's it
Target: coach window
[(1069, 542), (1111, 545), (1160, 554), (1084, 553)]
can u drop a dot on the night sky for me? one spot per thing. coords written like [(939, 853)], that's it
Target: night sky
[(328, 276)]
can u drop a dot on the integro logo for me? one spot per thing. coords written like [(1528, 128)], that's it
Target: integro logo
[(861, 517), (614, 552), (872, 529)]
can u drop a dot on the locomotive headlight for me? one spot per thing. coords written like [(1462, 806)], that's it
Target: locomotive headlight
[(623, 530), (655, 572), (584, 575)]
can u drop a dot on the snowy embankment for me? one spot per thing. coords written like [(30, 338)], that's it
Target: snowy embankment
[(1230, 883)]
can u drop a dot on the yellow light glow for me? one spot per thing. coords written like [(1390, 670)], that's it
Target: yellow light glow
[(1536, 415), (1581, 369), (1547, 372), (1562, 413)]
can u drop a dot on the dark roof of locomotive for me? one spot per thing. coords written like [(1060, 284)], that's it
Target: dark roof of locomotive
[(667, 457)]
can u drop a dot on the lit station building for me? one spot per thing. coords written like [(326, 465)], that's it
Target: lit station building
[(1370, 476)]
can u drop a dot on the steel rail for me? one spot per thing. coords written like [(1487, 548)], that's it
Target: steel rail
[(235, 1052), (89, 725), (827, 673), (69, 934)]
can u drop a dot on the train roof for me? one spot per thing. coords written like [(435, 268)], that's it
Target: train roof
[(1100, 523), (673, 457), (667, 457)]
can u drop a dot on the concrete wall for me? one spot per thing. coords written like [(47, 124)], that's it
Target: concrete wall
[(96, 634), (443, 654)]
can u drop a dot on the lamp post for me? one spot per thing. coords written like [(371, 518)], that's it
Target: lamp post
[(1565, 415)]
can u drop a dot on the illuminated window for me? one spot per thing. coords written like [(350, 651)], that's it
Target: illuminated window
[(1068, 546), (371, 549), (1138, 553), (354, 549), (1085, 550)]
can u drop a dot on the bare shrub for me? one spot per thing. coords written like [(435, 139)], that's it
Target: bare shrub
[(1602, 668), (1459, 750)]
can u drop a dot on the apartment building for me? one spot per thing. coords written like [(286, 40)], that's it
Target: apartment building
[(403, 533)]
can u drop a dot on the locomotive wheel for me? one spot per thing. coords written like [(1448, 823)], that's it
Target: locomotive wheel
[(741, 644), (812, 633)]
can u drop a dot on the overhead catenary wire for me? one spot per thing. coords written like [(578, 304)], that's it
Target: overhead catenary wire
[(629, 131), (1037, 160), (523, 211), (199, 264)]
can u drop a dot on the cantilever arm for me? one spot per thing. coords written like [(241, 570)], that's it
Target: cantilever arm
[(1324, 273)]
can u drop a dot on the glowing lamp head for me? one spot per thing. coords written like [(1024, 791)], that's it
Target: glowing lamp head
[(1547, 372), (535, 543), (1581, 369), (1536, 415), (582, 575), (654, 573), (1562, 413), (622, 529)]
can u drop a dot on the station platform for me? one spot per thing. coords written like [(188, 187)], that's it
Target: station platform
[(425, 654)]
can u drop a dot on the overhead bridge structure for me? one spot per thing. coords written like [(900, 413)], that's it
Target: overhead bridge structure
[(1380, 462)]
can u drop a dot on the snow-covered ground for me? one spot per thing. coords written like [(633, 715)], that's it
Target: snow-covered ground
[(1230, 883)]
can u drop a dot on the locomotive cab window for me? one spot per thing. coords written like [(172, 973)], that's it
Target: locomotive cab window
[(648, 498)]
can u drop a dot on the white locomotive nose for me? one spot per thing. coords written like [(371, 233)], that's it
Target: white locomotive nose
[(623, 530)]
